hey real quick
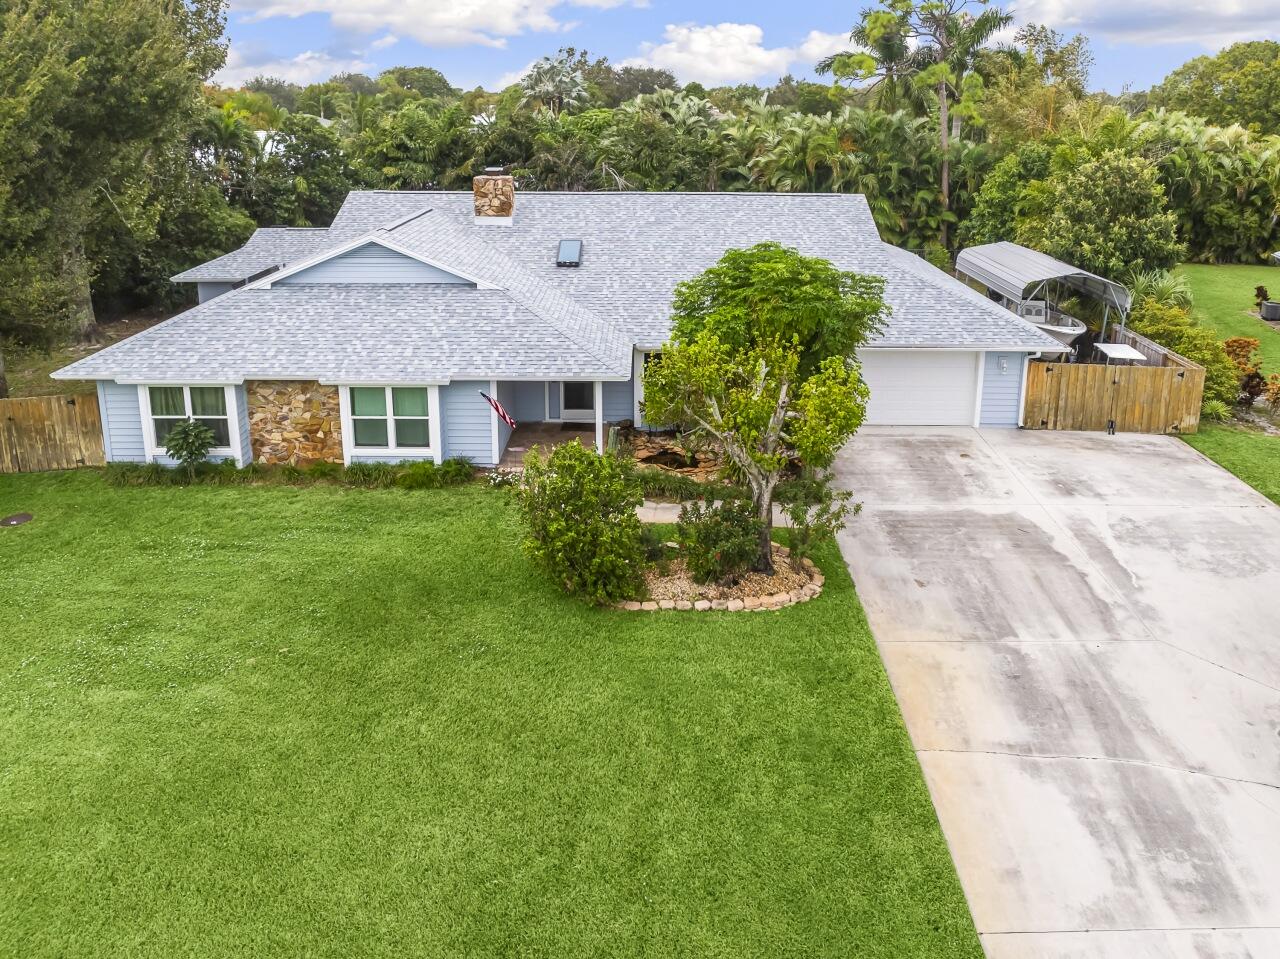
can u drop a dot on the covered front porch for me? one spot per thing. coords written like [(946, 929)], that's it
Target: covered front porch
[(543, 436)]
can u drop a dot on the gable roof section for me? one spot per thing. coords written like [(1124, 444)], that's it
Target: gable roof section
[(267, 248)]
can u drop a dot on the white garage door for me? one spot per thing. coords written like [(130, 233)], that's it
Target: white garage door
[(920, 387)]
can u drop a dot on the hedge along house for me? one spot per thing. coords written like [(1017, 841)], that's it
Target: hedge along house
[(373, 339)]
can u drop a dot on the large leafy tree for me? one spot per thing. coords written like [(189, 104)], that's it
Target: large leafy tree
[(92, 95), (762, 358), (420, 148), (1109, 215), (302, 177), (1240, 85)]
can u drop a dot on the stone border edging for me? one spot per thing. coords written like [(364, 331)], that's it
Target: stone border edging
[(754, 604)]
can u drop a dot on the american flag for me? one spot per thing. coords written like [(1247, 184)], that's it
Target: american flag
[(497, 408)]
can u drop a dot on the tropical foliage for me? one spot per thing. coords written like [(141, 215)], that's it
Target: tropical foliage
[(952, 138)]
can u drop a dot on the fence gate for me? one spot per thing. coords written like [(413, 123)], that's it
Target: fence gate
[(50, 433), (1128, 399)]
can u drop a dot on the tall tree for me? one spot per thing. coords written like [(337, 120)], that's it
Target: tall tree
[(949, 34), (115, 82), (556, 84), (762, 358), (1241, 84)]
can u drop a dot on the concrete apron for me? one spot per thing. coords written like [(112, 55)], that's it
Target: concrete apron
[(1083, 632)]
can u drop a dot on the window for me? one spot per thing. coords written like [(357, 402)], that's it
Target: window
[(204, 404), (390, 417)]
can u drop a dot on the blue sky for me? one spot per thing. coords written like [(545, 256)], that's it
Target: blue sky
[(490, 42)]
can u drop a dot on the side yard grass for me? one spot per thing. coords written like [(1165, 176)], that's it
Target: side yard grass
[(337, 723), (1223, 298), (1252, 455)]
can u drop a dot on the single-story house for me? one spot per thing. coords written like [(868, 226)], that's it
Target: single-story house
[(373, 339)]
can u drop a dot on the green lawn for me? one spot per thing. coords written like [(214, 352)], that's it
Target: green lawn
[(337, 723), (1224, 299), (1249, 454)]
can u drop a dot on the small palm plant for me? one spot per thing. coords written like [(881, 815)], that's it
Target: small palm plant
[(1165, 287), (189, 443)]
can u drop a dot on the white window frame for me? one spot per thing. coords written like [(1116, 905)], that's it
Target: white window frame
[(391, 452), (156, 451)]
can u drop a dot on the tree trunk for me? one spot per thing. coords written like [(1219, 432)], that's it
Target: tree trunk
[(764, 512), (4, 383), (85, 323), (944, 142)]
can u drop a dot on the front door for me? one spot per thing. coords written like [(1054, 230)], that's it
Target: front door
[(577, 401)]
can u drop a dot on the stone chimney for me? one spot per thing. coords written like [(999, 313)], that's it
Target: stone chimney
[(494, 194)]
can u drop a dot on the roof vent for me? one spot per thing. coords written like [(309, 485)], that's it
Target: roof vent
[(569, 253)]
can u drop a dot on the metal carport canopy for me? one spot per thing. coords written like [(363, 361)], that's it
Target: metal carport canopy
[(1009, 269)]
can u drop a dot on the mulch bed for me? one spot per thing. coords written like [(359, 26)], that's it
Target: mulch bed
[(671, 587)]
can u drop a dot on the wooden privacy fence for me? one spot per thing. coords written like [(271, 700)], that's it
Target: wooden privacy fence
[(1161, 396), (50, 433)]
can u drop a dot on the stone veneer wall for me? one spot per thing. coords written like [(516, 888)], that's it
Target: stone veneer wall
[(494, 195), (294, 422)]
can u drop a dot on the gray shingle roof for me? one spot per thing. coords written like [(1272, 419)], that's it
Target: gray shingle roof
[(269, 247), (542, 321), (348, 333)]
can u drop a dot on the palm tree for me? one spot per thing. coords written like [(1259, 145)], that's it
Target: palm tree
[(896, 65), (554, 84)]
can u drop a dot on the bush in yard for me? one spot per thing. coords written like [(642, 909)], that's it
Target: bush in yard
[(815, 512), (1272, 393), (719, 542), (189, 442), (1243, 351), (1174, 328), (579, 511)]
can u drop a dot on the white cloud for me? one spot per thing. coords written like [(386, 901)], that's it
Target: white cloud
[(1212, 23), (726, 53), (818, 45), (390, 40), (307, 67), (439, 23), (513, 76)]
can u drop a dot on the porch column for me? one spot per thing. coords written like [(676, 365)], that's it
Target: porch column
[(599, 405)]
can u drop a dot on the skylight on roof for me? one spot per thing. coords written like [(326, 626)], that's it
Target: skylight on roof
[(569, 253)]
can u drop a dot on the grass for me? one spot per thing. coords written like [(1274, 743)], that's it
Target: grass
[(336, 723), (1224, 301), (1250, 454)]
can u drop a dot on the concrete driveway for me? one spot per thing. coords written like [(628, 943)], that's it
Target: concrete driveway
[(1083, 632)]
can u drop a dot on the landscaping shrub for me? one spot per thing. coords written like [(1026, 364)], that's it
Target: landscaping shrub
[(189, 442), (1243, 351), (122, 474), (421, 475), (719, 542), (1174, 328), (579, 512), (370, 475), (664, 484), (323, 471), (456, 471), (1215, 411), (815, 512)]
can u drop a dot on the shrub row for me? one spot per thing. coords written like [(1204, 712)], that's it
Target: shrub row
[(405, 475)]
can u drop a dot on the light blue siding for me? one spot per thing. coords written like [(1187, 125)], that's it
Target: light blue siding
[(121, 423), (465, 427), (1001, 389), (530, 402), (619, 400), (207, 291), (507, 397), (553, 400), (372, 263)]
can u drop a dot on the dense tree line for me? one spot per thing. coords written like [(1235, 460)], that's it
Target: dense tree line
[(120, 164)]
